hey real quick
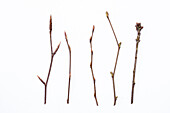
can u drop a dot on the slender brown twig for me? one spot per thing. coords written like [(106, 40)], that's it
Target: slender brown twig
[(113, 73), (52, 56), (69, 48), (138, 28), (92, 66)]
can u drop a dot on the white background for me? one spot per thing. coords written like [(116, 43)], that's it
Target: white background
[(25, 53)]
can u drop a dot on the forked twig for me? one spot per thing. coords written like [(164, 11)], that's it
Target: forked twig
[(52, 56), (113, 73), (69, 48), (138, 28), (92, 66)]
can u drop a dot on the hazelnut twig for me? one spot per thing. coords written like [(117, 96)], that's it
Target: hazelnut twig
[(92, 67), (52, 56), (138, 28), (113, 73), (69, 48)]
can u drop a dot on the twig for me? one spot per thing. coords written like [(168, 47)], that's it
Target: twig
[(52, 56), (138, 28), (113, 73), (91, 65), (69, 48)]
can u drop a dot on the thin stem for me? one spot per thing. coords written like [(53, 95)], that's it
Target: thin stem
[(52, 56), (107, 15), (69, 67), (92, 66), (113, 73), (138, 28)]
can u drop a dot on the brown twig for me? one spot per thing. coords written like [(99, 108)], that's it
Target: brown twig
[(69, 48), (113, 73), (92, 66), (52, 56), (138, 28)]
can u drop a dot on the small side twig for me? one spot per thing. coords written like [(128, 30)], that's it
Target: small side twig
[(52, 56), (113, 73), (138, 28), (69, 48), (92, 66)]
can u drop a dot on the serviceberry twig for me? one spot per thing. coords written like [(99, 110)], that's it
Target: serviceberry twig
[(138, 28), (113, 73), (94, 81), (52, 56), (69, 48)]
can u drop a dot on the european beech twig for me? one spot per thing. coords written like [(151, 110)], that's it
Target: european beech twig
[(138, 28), (92, 66), (113, 73), (69, 67), (52, 56)]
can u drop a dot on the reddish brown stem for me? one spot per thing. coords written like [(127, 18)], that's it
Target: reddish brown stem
[(92, 66), (69, 48), (113, 73), (52, 56), (138, 28)]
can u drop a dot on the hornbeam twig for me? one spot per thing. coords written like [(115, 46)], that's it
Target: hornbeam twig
[(69, 48), (91, 65), (113, 73), (52, 56), (138, 28)]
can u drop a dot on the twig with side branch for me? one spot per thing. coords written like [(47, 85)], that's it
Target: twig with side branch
[(94, 81), (138, 28), (52, 56), (113, 73), (69, 48)]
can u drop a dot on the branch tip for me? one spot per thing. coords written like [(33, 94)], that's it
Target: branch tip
[(41, 80), (107, 14), (50, 26)]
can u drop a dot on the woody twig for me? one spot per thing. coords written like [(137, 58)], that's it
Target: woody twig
[(69, 48), (138, 28), (113, 73), (94, 81), (52, 56)]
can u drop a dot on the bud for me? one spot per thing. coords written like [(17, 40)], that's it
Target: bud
[(50, 26), (93, 28), (107, 14), (138, 26)]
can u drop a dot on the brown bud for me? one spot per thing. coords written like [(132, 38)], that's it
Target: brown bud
[(93, 28), (50, 26), (107, 14)]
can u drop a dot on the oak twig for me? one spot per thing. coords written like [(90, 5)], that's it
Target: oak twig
[(52, 56), (138, 28), (69, 48), (92, 66), (113, 73)]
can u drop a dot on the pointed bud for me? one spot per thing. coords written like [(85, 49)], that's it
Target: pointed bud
[(50, 26), (107, 14), (120, 44), (93, 28)]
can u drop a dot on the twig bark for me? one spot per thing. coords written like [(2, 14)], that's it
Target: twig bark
[(138, 28), (113, 73), (52, 56), (69, 48), (94, 81)]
